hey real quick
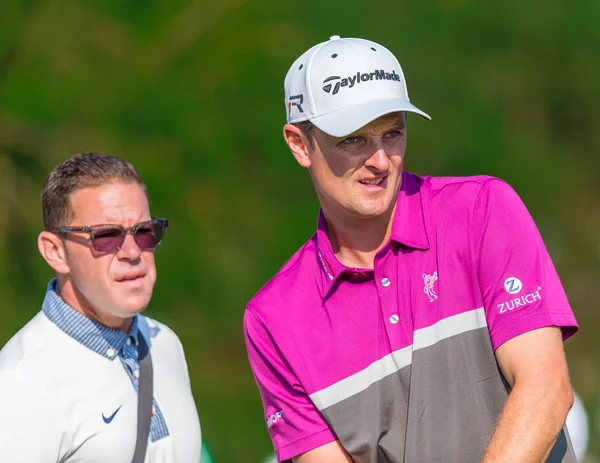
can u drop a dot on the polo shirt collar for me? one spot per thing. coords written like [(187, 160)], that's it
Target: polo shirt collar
[(408, 228), (331, 267), (93, 335)]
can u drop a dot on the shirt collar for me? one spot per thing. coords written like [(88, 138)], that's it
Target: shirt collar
[(408, 228), (331, 267), (93, 335)]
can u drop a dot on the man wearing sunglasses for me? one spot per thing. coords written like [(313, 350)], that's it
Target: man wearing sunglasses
[(74, 380)]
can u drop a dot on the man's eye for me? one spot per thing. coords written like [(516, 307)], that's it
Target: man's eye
[(350, 141), (145, 231), (108, 233), (393, 134)]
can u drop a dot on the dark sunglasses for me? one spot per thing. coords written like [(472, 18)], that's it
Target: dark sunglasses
[(110, 238)]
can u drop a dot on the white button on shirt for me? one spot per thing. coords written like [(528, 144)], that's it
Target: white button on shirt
[(394, 319), (385, 282), (110, 352)]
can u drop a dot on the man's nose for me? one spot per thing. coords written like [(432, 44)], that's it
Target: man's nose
[(378, 160), (130, 249)]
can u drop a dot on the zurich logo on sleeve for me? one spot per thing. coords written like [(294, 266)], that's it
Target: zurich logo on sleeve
[(513, 285)]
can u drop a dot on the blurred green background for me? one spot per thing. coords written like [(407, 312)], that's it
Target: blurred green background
[(192, 94)]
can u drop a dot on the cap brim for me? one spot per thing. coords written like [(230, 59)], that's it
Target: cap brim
[(348, 120)]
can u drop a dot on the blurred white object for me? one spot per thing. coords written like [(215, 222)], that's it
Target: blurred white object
[(270, 459), (578, 426)]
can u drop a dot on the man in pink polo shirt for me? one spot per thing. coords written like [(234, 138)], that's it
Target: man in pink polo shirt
[(424, 320)]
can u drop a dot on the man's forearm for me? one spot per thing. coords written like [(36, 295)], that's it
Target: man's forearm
[(530, 423)]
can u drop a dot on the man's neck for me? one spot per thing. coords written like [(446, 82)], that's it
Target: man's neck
[(69, 294), (355, 242)]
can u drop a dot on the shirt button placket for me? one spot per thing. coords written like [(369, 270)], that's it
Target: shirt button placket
[(394, 318)]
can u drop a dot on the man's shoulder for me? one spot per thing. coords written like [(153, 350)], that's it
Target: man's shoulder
[(29, 345), (157, 332), (36, 357), (467, 184), (163, 340), (167, 350), (294, 276), (462, 191)]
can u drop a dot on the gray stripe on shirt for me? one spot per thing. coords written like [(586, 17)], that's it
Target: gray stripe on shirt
[(399, 359)]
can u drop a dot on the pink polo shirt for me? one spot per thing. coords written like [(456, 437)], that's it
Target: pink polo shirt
[(397, 362)]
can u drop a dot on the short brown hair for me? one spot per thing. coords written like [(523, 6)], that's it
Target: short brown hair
[(305, 126), (83, 170)]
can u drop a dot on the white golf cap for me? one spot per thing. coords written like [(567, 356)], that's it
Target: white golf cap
[(343, 84)]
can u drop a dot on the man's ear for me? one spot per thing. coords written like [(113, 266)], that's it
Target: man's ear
[(53, 251), (299, 144)]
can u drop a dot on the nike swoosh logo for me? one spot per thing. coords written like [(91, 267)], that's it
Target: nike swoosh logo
[(110, 418)]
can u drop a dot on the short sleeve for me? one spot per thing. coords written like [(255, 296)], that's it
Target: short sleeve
[(294, 423), (32, 430), (520, 287)]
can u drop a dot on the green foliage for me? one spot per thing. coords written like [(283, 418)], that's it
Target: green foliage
[(192, 94)]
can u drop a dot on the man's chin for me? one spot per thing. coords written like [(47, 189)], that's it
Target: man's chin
[(132, 306), (372, 211)]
